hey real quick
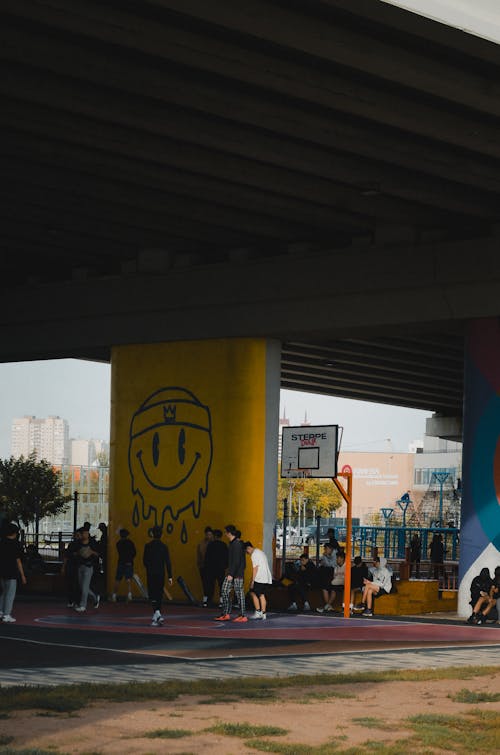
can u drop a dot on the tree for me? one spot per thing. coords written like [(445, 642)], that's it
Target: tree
[(321, 495), (30, 489)]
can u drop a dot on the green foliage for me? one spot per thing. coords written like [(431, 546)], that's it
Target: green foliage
[(29, 488), (321, 494)]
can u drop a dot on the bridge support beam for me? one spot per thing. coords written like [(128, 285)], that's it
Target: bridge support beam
[(480, 532), (194, 442)]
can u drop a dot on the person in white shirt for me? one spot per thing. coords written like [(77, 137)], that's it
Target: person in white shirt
[(381, 584), (262, 580)]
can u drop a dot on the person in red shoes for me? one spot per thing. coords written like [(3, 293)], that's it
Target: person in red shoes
[(234, 580)]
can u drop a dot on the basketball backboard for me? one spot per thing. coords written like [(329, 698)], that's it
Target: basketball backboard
[(309, 451)]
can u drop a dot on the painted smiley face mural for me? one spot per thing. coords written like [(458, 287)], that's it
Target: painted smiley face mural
[(170, 455)]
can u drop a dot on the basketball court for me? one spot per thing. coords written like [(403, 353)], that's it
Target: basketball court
[(51, 635)]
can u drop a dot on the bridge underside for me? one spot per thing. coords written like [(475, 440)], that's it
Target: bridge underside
[(325, 173)]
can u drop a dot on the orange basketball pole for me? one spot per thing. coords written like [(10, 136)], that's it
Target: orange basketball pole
[(347, 496)]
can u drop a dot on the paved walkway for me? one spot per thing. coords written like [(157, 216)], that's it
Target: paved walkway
[(379, 660)]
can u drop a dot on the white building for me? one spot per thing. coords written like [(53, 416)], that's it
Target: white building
[(85, 453), (48, 437)]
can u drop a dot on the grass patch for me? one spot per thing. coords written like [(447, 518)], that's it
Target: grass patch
[(468, 696), (475, 731), (295, 748), (168, 733), (370, 721), (246, 731), (70, 697), (330, 695), (263, 745)]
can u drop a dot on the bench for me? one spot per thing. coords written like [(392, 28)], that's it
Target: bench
[(412, 597)]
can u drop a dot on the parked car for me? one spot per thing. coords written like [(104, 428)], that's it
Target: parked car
[(311, 532)]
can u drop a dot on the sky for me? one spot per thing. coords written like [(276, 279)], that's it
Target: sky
[(479, 17), (79, 392)]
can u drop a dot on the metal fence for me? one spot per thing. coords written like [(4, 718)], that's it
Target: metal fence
[(391, 542)]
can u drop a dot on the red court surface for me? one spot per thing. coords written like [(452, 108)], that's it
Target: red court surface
[(197, 623)]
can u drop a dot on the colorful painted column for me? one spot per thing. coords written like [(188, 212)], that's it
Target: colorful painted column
[(194, 442), (480, 531)]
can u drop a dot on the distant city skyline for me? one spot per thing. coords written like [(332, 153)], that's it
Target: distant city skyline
[(79, 392)]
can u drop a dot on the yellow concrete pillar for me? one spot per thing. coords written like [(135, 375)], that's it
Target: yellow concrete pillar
[(194, 434)]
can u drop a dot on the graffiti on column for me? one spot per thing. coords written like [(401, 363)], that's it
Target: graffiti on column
[(169, 457)]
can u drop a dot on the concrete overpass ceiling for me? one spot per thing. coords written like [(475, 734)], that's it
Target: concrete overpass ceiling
[(174, 135), (422, 372)]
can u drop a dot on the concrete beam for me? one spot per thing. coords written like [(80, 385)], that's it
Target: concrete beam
[(448, 428), (325, 296)]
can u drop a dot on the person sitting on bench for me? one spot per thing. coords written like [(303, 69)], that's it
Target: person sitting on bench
[(380, 584), (359, 572), (336, 584), (304, 578), (483, 597)]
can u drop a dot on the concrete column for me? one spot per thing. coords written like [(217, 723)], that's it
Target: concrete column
[(194, 442), (480, 532)]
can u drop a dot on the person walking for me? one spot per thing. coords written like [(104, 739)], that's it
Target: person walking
[(156, 558), (125, 567), (11, 567), (233, 583), (262, 580)]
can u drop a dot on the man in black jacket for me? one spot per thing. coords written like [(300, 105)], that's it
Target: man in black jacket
[(234, 577), (156, 559), (216, 565)]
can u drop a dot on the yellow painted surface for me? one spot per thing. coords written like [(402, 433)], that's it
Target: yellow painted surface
[(187, 445)]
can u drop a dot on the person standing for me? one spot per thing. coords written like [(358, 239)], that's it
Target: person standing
[(215, 565), (103, 555), (233, 583), (262, 580), (125, 567), (201, 552), (70, 570), (415, 554), (11, 567), (87, 558), (156, 558), (436, 553)]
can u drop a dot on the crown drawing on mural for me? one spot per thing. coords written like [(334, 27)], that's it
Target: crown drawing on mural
[(169, 413)]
